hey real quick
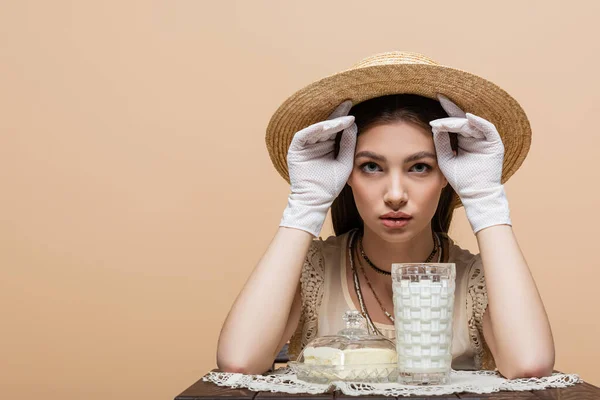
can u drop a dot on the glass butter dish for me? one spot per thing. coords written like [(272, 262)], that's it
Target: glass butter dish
[(352, 355)]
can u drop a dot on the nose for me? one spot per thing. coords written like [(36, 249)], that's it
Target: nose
[(396, 194)]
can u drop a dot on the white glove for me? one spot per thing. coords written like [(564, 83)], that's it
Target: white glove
[(316, 177), (475, 172)]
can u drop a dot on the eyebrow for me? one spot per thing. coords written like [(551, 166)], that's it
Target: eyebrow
[(413, 157)]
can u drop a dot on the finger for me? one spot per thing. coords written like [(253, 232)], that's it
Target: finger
[(320, 132), (348, 145), (452, 124), (452, 109), (341, 110), (336, 125), (443, 148), (486, 127), (457, 125)]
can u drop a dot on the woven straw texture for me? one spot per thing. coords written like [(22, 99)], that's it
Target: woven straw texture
[(401, 72)]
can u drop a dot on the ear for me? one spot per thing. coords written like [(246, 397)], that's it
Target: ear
[(445, 181), (349, 181)]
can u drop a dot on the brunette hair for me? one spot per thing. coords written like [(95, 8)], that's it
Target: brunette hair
[(409, 108)]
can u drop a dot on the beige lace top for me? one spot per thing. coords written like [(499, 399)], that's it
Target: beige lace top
[(326, 296)]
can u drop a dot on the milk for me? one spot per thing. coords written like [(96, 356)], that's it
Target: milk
[(423, 312)]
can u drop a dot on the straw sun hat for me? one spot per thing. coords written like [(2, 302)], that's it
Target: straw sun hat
[(393, 73)]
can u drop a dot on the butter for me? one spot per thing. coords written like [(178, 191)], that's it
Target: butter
[(364, 356), (370, 356), (323, 356)]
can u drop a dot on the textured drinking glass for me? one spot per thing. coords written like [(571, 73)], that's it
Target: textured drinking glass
[(423, 314)]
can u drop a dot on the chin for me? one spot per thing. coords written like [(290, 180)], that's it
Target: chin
[(394, 235)]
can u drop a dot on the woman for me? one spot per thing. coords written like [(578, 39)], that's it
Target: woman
[(393, 168)]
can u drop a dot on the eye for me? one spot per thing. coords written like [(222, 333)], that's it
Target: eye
[(424, 168), (368, 170)]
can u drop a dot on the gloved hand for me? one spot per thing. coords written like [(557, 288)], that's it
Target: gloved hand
[(316, 177), (475, 172)]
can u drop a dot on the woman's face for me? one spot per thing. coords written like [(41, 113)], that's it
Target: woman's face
[(395, 169)]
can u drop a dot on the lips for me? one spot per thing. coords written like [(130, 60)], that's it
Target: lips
[(395, 223), (395, 215), (395, 219)]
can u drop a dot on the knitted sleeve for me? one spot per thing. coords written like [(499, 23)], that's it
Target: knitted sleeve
[(477, 302), (311, 285)]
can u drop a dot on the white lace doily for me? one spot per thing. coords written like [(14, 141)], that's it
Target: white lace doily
[(284, 380)]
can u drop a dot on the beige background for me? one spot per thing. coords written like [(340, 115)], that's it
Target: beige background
[(137, 193)]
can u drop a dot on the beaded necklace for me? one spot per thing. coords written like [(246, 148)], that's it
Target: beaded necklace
[(436, 245), (370, 325)]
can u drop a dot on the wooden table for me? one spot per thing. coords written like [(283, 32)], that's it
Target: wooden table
[(208, 390)]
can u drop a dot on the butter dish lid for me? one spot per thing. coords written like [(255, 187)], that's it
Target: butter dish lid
[(353, 337), (351, 355)]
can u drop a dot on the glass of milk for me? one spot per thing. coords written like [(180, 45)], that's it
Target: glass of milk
[(423, 313)]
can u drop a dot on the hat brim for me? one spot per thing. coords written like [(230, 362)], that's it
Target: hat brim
[(473, 94)]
